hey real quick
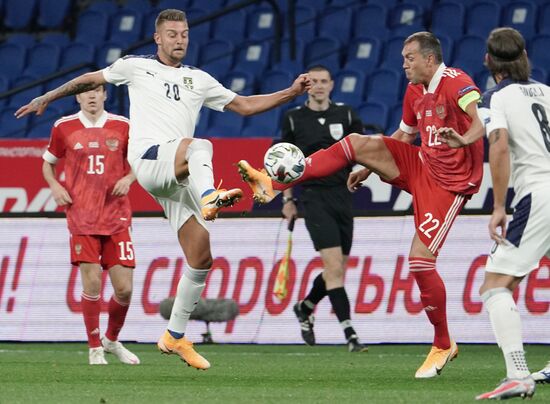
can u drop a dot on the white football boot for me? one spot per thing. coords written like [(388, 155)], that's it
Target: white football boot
[(117, 349), (96, 356)]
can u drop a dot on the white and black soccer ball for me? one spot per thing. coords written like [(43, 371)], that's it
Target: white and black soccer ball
[(284, 162)]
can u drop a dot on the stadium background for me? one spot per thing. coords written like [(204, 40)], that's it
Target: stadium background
[(46, 42)]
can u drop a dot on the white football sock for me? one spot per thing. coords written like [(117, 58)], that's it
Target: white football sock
[(506, 323), (199, 158), (190, 288)]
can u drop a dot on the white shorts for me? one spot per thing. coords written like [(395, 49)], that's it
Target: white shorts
[(527, 237), (155, 172)]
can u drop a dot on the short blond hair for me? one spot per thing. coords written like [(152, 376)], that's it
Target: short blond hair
[(170, 14)]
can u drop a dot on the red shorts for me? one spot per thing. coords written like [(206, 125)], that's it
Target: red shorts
[(116, 249), (435, 208)]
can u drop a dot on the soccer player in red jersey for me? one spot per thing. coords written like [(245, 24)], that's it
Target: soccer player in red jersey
[(438, 100), (97, 180)]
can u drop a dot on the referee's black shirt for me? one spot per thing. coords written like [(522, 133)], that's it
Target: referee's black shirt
[(314, 130)]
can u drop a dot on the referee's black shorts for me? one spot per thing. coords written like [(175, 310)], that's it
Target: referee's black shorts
[(329, 216)]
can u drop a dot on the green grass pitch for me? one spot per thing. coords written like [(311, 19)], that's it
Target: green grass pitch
[(59, 373)]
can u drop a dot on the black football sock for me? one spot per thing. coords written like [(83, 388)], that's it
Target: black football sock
[(340, 303), (316, 294)]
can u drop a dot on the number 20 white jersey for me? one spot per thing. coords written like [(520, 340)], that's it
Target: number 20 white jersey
[(164, 101), (523, 109)]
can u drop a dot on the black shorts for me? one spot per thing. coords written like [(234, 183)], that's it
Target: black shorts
[(329, 216)]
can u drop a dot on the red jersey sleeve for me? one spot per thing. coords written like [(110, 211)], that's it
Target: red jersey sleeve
[(57, 146), (409, 117), (462, 90)]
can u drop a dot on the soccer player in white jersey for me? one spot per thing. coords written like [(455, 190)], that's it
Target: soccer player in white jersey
[(165, 99), (517, 113)]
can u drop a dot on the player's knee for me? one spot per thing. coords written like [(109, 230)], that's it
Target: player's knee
[(201, 261), (123, 293), (334, 273), (199, 145)]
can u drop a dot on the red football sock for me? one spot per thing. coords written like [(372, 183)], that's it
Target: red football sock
[(91, 307), (433, 296), (117, 315), (324, 162)]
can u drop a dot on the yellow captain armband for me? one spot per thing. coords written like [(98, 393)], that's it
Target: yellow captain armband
[(467, 99)]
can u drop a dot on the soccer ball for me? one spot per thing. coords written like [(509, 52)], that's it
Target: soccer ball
[(284, 162)]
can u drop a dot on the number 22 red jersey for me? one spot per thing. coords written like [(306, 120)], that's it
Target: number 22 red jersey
[(95, 159), (442, 105)]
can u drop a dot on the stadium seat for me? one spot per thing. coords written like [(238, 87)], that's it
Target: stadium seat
[(148, 49), (395, 114), (23, 97), (389, 4), (16, 54), (77, 53), (202, 122), (275, 80), (141, 6), (22, 38), (108, 7), (4, 85), (12, 127), (348, 87), (374, 116), (19, 13), (384, 85), (285, 50), (210, 6), (230, 27), (305, 23), (448, 19), (482, 17), (336, 17), (392, 58), (126, 26), (469, 54), (200, 33), (265, 124), (177, 4), (41, 126), (370, 21), (60, 39), (317, 5), (192, 54), (52, 13), (293, 67), (447, 46), (43, 59), (544, 19), (324, 51), (363, 54), (240, 82), (92, 27), (108, 54), (216, 57), (521, 15), (539, 74), (484, 80), (225, 124), (261, 24), (426, 5), (538, 51), (406, 18), (253, 57)]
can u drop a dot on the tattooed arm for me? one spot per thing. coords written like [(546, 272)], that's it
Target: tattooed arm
[(80, 84), (499, 162)]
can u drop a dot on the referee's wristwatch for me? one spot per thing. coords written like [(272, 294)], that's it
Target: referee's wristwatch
[(287, 199)]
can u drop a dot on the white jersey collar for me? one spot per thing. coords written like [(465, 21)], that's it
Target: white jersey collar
[(88, 124), (436, 79)]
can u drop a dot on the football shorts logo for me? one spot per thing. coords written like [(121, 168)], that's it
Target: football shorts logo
[(188, 83), (78, 249), (112, 144), (440, 111), (336, 130)]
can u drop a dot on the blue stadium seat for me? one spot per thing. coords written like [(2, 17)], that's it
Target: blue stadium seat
[(406, 18), (202, 122), (4, 85), (253, 57), (285, 50), (210, 6), (41, 126), (305, 23), (92, 27), (108, 7), (324, 51), (448, 19), (141, 6), (275, 80), (447, 46), (384, 85), (265, 124), (225, 124), (544, 19), (469, 54), (60, 39), (192, 54), (216, 57), (18, 13), (482, 17), (149, 49), (292, 67), (317, 5), (538, 51), (12, 127), (108, 54), (24, 96), (22, 38), (43, 59), (261, 23), (348, 87), (200, 33), (339, 18), (370, 22), (230, 27), (75, 54), (395, 114), (484, 80), (426, 5), (177, 4), (392, 58), (521, 15), (126, 26), (52, 13), (539, 74), (374, 113), (241, 82), (364, 54), (16, 54)]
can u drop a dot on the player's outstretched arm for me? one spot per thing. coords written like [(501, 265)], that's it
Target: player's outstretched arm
[(474, 132), (59, 193), (254, 104), (80, 84)]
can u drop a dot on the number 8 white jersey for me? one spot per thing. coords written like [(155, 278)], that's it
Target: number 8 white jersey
[(164, 101), (523, 109)]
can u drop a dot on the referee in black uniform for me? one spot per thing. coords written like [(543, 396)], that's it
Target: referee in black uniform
[(327, 202)]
